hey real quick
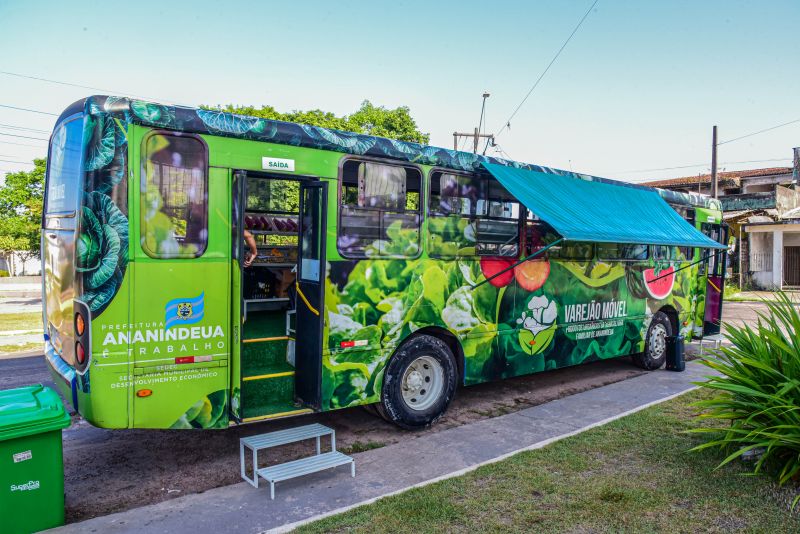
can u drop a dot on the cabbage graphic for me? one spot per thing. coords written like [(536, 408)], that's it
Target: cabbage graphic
[(538, 325), (101, 250)]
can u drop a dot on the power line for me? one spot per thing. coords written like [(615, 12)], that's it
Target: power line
[(14, 161), (19, 144), (16, 134), (24, 137), (536, 83), (759, 132), (700, 165), (29, 110), (108, 91), (13, 127)]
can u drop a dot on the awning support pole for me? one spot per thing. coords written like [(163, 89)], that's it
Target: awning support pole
[(523, 260)]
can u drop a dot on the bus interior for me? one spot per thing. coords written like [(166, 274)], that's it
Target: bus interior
[(267, 293)]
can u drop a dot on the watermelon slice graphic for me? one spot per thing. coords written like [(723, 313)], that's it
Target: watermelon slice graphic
[(659, 286)]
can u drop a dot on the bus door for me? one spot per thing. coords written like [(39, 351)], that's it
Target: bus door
[(715, 279), (310, 292)]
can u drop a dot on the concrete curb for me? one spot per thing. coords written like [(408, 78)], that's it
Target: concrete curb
[(397, 468)]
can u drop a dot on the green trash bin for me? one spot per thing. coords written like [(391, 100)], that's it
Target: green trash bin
[(31, 462)]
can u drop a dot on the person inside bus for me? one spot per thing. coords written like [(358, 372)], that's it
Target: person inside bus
[(250, 255)]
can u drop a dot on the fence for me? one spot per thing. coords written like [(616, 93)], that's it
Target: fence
[(760, 261)]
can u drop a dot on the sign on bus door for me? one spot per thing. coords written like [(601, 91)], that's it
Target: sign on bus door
[(310, 292)]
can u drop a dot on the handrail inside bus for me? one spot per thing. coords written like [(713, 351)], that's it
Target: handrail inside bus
[(523, 260)]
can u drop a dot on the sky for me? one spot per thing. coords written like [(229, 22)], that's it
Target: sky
[(636, 90)]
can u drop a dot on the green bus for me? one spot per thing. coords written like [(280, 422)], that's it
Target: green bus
[(204, 269)]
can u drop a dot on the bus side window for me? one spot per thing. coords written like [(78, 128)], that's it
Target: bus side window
[(575, 251), (380, 210), (174, 196), (471, 215), (538, 234), (621, 252), (671, 253)]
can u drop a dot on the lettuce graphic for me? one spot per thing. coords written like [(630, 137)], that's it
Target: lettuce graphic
[(208, 412), (101, 250), (538, 325)]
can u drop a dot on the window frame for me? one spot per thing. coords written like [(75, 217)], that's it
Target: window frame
[(143, 158), (340, 197), (520, 219)]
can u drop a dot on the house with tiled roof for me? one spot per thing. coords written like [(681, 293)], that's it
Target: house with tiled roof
[(762, 208)]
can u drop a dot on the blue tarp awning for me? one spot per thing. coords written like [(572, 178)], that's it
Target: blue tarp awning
[(600, 212)]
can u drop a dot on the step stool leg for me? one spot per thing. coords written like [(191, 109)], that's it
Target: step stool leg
[(241, 459), (333, 441), (353, 469), (318, 450), (272, 490), (255, 466)]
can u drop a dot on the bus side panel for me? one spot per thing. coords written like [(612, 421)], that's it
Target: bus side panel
[(179, 336), (550, 314)]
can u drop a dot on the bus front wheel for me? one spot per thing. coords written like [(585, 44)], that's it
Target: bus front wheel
[(655, 349), (419, 383)]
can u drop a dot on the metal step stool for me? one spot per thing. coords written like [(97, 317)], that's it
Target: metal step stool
[(296, 468), (714, 342)]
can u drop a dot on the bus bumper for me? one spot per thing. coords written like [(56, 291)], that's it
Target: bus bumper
[(63, 374)]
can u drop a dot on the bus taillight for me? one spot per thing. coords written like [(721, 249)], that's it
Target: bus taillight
[(80, 324), (80, 354)]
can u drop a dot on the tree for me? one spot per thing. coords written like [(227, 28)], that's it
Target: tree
[(368, 119), (21, 198)]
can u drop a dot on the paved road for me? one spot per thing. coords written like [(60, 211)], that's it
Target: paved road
[(16, 372)]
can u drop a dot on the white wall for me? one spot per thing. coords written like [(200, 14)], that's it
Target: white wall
[(791, 239), (14, 265)]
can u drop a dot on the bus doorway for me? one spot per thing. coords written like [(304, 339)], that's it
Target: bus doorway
[(268, 251), (715, 279)]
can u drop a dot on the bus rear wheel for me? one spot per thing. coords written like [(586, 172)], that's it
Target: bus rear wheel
[(655, 350), (419, 383)]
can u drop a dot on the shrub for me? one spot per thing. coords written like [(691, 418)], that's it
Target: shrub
[(4, 273), (759, 392)]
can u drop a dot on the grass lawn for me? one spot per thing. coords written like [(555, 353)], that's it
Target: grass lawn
[(24, 347), (20, 321), (633, 474)]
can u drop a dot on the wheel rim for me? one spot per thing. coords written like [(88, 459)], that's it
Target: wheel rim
[(422, 383), (658, 341)]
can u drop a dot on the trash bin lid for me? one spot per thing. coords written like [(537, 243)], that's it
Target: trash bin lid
[(30, 410)]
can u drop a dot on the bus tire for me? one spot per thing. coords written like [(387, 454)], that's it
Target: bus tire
[(419, 383), (655, 347)]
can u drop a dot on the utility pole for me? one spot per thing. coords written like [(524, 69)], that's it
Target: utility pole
[(714, 163), (476, 135)]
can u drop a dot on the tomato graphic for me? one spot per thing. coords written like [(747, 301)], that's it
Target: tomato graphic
[(532, 274), (490, 266)]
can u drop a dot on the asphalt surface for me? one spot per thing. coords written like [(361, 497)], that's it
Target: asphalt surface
[(24, 371)]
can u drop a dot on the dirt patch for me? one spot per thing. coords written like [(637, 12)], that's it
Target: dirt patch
[(109, 471)]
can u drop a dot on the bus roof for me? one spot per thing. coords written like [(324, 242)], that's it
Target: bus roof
[(214, 122)]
